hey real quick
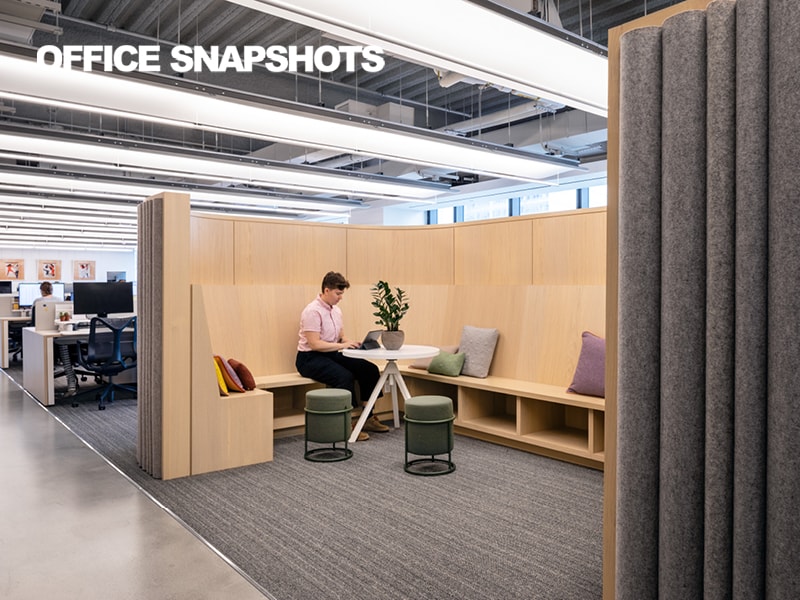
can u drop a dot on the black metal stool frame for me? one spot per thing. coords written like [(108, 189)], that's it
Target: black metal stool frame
[(338, 454), (410, 466)]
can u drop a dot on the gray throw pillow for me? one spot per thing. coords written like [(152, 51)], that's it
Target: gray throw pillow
[(590, 374), (447, 363), (478, 346)]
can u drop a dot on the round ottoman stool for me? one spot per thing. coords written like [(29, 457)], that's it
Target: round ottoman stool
[(429, 431), (328, 422)]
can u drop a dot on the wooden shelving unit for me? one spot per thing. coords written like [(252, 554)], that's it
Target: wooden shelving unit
[(536, 417)]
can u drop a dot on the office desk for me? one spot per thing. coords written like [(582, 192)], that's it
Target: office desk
[(391, 374), (4, 321), (39, 363)]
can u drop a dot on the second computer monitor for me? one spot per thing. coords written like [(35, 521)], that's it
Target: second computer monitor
[(102, 299)]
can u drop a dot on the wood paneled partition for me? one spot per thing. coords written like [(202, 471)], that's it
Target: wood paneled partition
[(540, 280)]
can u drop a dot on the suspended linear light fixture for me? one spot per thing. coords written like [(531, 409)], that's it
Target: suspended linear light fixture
[(495, 44), (189, 104)]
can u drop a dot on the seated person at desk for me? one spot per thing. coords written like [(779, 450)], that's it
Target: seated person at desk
[(318, 351), (46, 289)]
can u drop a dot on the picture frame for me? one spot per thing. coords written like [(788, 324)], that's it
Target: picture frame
[(83, 270), (49, 270), (13, 269)]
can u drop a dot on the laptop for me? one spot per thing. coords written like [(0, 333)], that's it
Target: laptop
[(371, 340), (46, 316)]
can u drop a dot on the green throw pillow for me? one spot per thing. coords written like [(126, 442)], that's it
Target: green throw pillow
[(447, 363)]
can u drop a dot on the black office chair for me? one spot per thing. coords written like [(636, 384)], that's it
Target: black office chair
[(109, 350), (15, 338)]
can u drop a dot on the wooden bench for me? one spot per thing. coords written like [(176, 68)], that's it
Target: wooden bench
[(289, 397), (537, 417), (258, 325)]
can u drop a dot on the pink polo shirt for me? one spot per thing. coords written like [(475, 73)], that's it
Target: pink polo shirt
[(322, 317)]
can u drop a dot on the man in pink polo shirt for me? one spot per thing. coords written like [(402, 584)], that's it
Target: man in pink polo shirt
[(318, 350)]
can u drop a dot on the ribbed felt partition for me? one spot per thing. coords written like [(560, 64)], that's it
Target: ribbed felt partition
[(639, 311), (720, 319), (164, 309), (750, 378), (783, 404), (709, 310), (683, 302), (150, 268)]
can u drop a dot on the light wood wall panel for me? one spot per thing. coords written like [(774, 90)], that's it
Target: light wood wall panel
[(257, 325), (176, 335), (429, 321), (555, 318), (493, 253), (279, 252), (211, 250), (227, 431), (419, 255), (570, 248)]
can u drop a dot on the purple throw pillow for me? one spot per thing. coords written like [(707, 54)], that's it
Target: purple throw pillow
[(590, 374)]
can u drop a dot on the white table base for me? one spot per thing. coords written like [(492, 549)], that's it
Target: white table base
[(391, 374)]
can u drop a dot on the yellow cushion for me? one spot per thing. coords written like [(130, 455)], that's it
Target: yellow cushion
[(223, 389)]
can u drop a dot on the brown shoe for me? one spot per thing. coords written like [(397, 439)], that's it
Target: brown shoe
[(363, 436), (373, 424)]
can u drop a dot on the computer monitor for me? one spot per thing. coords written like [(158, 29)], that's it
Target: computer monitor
[(5, 287), (116, 275), (102, 299), (29, 292)]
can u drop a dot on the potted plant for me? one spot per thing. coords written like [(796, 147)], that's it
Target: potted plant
[(391, 306)]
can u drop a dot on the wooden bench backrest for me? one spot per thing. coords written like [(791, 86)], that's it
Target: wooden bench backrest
[(540, 326), (540, 280)]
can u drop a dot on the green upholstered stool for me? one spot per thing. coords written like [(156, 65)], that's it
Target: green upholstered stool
[(328, 422), (429, 431)]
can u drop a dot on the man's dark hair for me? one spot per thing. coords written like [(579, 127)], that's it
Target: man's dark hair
[(46, 288), (334, 281)]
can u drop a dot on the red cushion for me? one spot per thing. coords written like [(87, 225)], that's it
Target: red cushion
[(246, 377)]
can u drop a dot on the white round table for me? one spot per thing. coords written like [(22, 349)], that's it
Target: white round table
[(391, 374)]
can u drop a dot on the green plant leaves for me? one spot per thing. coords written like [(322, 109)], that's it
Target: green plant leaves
[(391, 305)]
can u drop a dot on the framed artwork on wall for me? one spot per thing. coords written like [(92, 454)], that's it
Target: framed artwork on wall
[(83, 270), (49, 269), (13, 268)]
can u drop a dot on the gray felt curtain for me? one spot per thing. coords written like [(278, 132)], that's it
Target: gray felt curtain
[(708, 463)]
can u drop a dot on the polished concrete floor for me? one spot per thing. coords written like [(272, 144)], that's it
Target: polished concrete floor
[(71, 526)]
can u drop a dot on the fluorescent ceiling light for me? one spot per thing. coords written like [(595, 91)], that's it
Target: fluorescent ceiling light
[(37, 243), (64, 233), (229, 112), (485, 40), (161, 161), (60, 183)]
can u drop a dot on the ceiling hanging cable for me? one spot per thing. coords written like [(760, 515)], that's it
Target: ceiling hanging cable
[(319, 77), (509, 119), (427, 106)]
